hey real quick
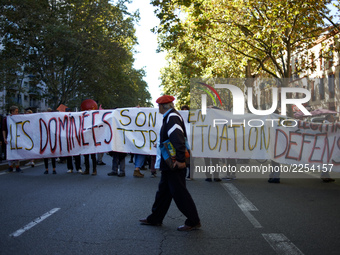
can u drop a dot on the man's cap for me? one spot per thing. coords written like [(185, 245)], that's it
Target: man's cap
[(165, 99)]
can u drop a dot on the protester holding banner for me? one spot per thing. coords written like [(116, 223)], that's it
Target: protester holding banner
[(87, 164), (100, 155), (189, 174), (76, 158), (53, 165), (209, 175), (100, 159), (31, 162), (172, 184), (325, 176), (156, 159), (139, 162), (274, 176), (77, 161), (118, 162), (14, 110), (88, 105), (217, 134), (232, 164)]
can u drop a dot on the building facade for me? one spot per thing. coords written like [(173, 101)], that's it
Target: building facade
[(321, 78), (23, 94)]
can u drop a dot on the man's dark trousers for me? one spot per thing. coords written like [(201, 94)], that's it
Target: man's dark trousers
[(173, 186)]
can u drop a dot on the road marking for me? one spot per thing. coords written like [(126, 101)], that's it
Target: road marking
[(239, 198), (252, 219), (243, 203), (281, 244), (34, 222), (22, 168)]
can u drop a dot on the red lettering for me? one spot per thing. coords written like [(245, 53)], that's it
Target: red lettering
[(73, 131), (290, 145), (93, 127), (43, 147), (303, 142), (326, 145), (85, 114), (53, 149), (62, 126), (337, 163), (276, 142), (107, 123), (314, 126), (315, 148)]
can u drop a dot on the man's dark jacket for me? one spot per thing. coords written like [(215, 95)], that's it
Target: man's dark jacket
[(173, 128)]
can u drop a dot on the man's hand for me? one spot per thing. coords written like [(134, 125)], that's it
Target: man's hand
[(180, 165)]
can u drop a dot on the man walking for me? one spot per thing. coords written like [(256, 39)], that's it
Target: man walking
[(172, 184), (13, 110)]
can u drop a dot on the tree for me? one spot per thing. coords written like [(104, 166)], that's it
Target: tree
[(265, 34), (76, 49), (191, 56)]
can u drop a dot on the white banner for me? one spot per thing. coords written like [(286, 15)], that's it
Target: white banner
[(58, 134), (217, 134)]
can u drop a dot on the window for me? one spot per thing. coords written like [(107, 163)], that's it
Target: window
[(322, 89), (331, 81), (312, 61), (331, 56), (320, 59), (313, 90)]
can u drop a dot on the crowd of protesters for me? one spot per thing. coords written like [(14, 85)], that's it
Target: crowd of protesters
[(173, 173), (118, 158)]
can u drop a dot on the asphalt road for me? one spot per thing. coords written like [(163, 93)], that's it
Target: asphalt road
[(74, 214)]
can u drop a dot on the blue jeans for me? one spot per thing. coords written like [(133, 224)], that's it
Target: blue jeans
[(139, 160)]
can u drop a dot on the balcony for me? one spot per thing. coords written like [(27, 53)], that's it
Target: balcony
[(34, 91)]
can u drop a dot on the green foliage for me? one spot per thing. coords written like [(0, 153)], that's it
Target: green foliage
[(78, 48), (220, 38)]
